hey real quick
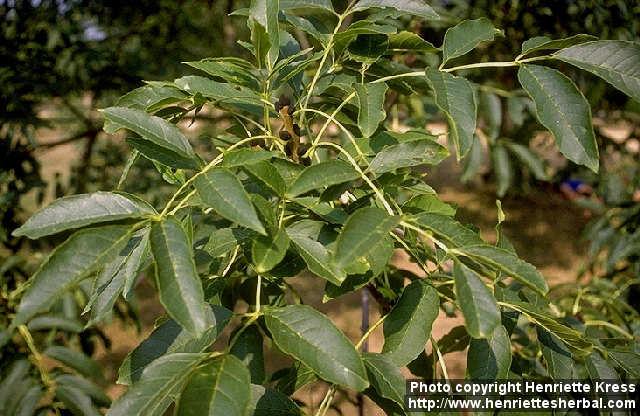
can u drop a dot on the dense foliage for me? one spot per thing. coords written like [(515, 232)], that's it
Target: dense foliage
[(285, 193)]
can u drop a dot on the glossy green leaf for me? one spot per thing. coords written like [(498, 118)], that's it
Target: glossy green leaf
[(81, 210), (456, 98), (265, 12), (310, 337), (447, 230), (221, 190), (159, 385), (410, 153), (268, 402), (409, 42), (629, 361), (75, 359), (323, 174), (562, 109), (178, 283), (245, 156), (465, 36), (544, 43), (508, 263), (615, 61), (248, 349), (151, 97), (502, 168), (219, 387), (268, 251), (414, 7), (428, 203), (153, 129), (226, 239), (530, 160), (407, 328), (221, 92), (478, 305), (472, 161), (80, 255), (575, 340), (48, 322), (370, 106), (490, 359), (76, 400), (362, 230), (88, 387), (169, 338), (266, 173), (599, 369), (304, 236), (385, 377), (557, 356), (231, 70), (368, 48), (122, 270)]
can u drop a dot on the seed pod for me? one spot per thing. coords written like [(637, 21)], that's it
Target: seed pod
[(284, 135), (296, 129)]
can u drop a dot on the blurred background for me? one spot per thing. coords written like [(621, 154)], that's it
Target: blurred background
[(61, 61)]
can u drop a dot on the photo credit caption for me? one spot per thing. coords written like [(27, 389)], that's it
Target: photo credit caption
[(522, 395)]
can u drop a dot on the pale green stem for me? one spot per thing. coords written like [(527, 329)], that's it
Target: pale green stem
[(443, 365), (258, 289), (373, 187), (370, 331)]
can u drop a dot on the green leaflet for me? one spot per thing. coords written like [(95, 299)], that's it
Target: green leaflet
[(544, 43), (562, 109), (502, 168), (80, 255), (159, 385), (76, 360), (151, 97), (490, 358), (88, 387), (245, 156), (530, 160), (408, 326), (370, 106), (465, 36), (414, 7), (81, 210), (220, 189), (266, 173), (560, 364), (304, 235), (235, 72), (385, 377), (468, 243), (116, 275), (368, 48), (323, 174), (170, 338), (76, 400), (409, 41), (222, 386), (178, 283), (360, 233), (248, 348), (479, 307), (410, 153), (615, 61), (508, 263), (265, 12), (456, 98), (310, 337), (158, 132), (268, 402), (268, 251), (599, 369), (575, 340)]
